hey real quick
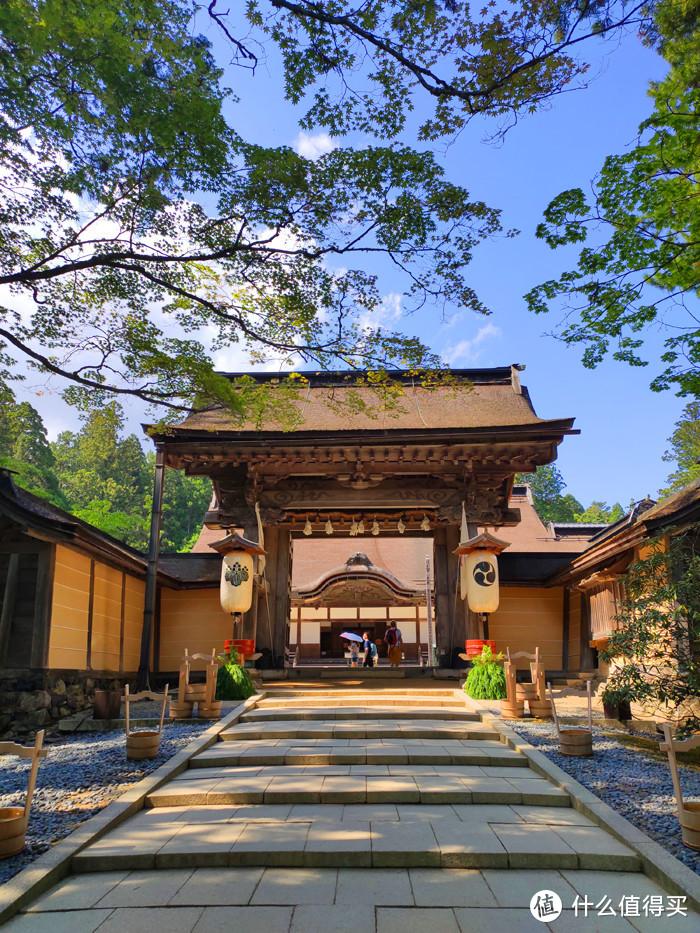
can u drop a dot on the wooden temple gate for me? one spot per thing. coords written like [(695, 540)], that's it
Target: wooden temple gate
[(413, 472)]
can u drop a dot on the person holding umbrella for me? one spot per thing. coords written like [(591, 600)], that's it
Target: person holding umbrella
[(354, 646)]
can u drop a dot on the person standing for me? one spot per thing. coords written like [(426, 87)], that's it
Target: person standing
[(354, 653), (369, 649), (394, 641)]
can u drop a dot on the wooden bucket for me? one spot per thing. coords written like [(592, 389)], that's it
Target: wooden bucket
[(512, 710), (13, 828), (209, 712), (525, 692), (143, 744), (690, 824), (196, 691), (576, 742), (541, 709), (180, 710)]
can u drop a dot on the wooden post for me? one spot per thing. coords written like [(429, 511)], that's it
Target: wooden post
[(249, 623), (91, 605), (276, 601), (565, 624), (149, 608), (451, 610), (8, 603), (586, 662), (42, 607), (442, 589)]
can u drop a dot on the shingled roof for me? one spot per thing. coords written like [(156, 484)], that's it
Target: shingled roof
[(480, 398)]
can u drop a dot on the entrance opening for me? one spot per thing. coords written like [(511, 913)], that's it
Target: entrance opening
[(375, 580)]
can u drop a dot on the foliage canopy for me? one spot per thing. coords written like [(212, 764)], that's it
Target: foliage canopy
[(101, 476), (140, 230), (547, 486), (645, 271), (684, 451)]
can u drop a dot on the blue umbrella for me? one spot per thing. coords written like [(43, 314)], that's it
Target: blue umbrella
[(351, 636)]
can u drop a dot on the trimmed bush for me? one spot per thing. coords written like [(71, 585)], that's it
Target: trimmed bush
[(233, 682), (487, 679)]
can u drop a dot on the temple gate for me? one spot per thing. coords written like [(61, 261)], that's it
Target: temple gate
[(411, 470)]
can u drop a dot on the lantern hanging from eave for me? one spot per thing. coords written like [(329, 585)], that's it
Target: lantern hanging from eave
[(479, 571), (236, 588)]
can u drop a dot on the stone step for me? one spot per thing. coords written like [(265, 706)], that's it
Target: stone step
[(388, 835), (337, 784), (365, 700), (381, 729), (357, 713), (306, 753)]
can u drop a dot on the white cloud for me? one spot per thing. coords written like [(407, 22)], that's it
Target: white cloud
[(313, 145), (388, 311), (469, 351)]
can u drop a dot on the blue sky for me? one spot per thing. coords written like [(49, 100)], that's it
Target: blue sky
[(624, 426)]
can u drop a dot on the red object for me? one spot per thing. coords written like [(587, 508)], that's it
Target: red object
[(244, 646), (474, 646)]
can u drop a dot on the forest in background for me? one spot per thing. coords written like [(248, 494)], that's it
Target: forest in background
[(101, 476), (105, 478)]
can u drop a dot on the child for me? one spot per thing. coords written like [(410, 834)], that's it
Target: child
[(354, 653)]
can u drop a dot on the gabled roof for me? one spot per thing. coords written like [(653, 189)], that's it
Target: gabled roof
[(49, 523), (617, 541), (46, 522), (480, 399), (358, 579)]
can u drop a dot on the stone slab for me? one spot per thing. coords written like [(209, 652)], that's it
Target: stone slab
[(217, 886), (301, 886), (456, 887), (377, 886), (531, 845), (469, 846)]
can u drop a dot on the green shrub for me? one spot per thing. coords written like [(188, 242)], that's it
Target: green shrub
[(487, 679), (233, 682)]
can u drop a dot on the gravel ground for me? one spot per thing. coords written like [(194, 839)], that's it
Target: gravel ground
[(80, 776), (633, 783)]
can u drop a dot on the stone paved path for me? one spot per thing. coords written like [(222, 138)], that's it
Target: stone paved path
[(345, 813)]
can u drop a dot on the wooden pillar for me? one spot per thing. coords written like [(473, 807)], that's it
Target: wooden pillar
[(149, 608), (249, 624), (8, 604), (565, 624), (450, 608), (586, 662), (274, 613)]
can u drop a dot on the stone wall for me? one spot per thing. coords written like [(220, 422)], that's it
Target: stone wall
[(32, 699)]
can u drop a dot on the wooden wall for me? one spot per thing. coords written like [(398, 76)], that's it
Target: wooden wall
[(96, 615), (575, 630), (528, 617), (70, 609), (192, 619)]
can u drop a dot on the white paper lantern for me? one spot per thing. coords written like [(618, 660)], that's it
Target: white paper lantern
[(236, 587), (481, 571), (236, 590), (478, 571)]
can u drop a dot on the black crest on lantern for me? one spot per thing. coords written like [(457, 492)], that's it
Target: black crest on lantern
[(236, 574), (484, 573)]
